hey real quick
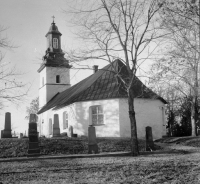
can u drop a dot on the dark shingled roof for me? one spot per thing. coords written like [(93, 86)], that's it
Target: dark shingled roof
[(53, 29), (104, 84)]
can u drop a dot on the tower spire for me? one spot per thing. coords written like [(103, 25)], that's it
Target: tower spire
[(53, 18)]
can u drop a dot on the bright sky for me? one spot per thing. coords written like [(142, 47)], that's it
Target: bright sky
[(28, 21)]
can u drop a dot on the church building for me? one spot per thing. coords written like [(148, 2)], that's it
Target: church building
[(99, 100)]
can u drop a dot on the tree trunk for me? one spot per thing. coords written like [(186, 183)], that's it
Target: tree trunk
[(134, 141), (193, 121)]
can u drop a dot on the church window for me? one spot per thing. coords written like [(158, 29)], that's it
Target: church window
[(42, 81), (97, 115), (65, 120), (50, 127), (163, 116), (57, 78), (55, 43)]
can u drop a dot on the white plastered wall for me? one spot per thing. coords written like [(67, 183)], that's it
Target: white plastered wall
[(111, 118), (46, 116), (42, 88), (116, 118), (148, 113), (53, 71), (48, 85), (79, 115)]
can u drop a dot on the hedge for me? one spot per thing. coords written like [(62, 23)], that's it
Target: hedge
[(64, 145)]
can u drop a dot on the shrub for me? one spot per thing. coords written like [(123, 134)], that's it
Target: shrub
[(64, 145)]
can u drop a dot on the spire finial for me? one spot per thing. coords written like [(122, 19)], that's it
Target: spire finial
[(53, 18)]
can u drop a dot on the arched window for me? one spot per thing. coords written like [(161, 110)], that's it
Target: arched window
[(55, 43), (65, 120), (42, 81), (57, 78), (50, 127)]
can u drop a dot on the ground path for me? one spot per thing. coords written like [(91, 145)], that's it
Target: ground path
[(177, 147), (174, 164)]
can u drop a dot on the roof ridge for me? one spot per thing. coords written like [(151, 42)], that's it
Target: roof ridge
[(100, 72), (103, 84)]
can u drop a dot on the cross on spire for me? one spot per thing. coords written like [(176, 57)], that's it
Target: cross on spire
[(53, 18)]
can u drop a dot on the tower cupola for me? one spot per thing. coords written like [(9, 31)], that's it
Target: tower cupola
[(54, 56), (54, 39)]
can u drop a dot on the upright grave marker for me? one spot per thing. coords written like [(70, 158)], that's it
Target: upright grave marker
[(21, 135), (33, 149), (92, 142), (6, 133), (71, 131), (149, 139), (56, 126)]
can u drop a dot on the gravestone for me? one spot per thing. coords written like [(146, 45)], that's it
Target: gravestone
[(75, 135), (1, 133), (56, 127), (21, 135), (33, 149), (71, 133), (92, 142), (6, 133), (149, 139)]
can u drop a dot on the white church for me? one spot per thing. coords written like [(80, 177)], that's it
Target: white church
[(99, 100)]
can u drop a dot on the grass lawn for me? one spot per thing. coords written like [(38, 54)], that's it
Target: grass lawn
[(164, 168), (156, 168)]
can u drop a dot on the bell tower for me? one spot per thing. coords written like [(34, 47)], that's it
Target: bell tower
[(54, 70)]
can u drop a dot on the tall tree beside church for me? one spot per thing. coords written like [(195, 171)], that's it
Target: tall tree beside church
[(33, 108), (11, 89), (117, 29), (180, 64)]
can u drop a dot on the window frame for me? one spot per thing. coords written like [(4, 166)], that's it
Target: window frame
[(55, 43), (58, 79), (65, 120), (42, 81), (50, 126), (98, 114)]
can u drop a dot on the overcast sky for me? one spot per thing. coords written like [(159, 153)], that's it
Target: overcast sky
[(27, 22)]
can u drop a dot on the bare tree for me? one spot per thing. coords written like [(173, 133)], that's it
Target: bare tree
[(117, 29), (33, 108), (11, 89), (179, 66)]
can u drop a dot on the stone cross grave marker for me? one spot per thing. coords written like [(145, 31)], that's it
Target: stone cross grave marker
[(92, 142), (149, 139), (33, 149)]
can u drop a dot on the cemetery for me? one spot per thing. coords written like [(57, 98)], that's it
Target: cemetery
[(33, 145), (115, 99), (164, 160)]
